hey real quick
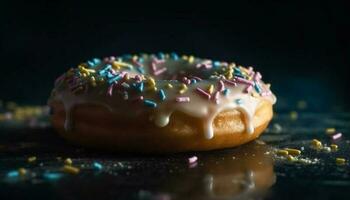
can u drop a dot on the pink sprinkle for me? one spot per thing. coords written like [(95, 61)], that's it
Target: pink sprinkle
[(257, 76), (156, 61), (266, 93), (216, 97), (111, 58), (204, 93), (230, 82), (336, 136), (154, 67), (106, 59), (110, 90), (138, 78), (221, 86), (160, 71), (248, 89), (192, 159), (182, 99), (206, 64), (244, 81)]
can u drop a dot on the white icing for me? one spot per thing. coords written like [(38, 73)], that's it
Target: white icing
[(198, 107)]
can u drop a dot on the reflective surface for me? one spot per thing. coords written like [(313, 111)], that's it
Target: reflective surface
[(251, 171)]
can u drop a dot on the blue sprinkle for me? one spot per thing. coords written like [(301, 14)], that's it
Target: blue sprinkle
[(174, 56), (239, 101), (141, 70), (141, 87), (104, 70), (97, 166), (13, 173), (226, 91), (161, 56), (52, 175), (257, 88), (141, 60), (116, 78), (150, 103), (91, 64), (96, 61), (216, 64), (110, 75), (162, 95), (193, 81)]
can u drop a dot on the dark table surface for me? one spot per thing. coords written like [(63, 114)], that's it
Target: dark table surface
[(251, 171)]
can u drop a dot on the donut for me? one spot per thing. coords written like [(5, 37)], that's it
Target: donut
[(160, 103)]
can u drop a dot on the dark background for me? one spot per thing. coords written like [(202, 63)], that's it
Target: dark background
[(301, 48)]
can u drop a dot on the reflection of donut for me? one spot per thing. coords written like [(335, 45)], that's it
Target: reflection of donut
[(194, 104), (242, 172)]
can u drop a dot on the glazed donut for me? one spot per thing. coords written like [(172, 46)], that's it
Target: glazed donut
[(160, 103)]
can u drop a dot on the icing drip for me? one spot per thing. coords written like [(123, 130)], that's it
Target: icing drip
[(123, 86)]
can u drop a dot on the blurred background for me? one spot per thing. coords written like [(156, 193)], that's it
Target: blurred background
[(303, 48)]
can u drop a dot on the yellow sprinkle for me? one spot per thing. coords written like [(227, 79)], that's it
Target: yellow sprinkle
[(330, 131), (293, 152), (282, 153), (184, 57), (340, 161), (191, 59), (118, 65), (183, 88), (316, 144), (135, 57), (127, 76), (68, 161), (70, 169), (22, 171), (151, 81), (169, 86), (293, 115), (334, 147), (31, 159), (211, 89), (291, 158), (155, 89)]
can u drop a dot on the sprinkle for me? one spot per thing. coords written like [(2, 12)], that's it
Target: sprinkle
[(221, 85), (211, 89), (162, 94), (230, 82), (169, 86), (293, 115), (327, 149), (293, 152), (22, 171), (174, 56), (52, 175), (183, 88), (340, 161), (160, 71), (140, 70), (316, 144), (97, 166), (257, 76), (197, 78), (141, 87), (226, 91), (150, 103), (203, 93), (334, 147), (248, 89), (244, 81), (115, 78), (31, 159), (330, 131), (257, 87), (216, 97), (191, 59), (239, 101), (151, 81), (70, 169), (336, 136), (192, 159), (13, 173), (68, 161), (282, 153), (182, 99), (291, 158)]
